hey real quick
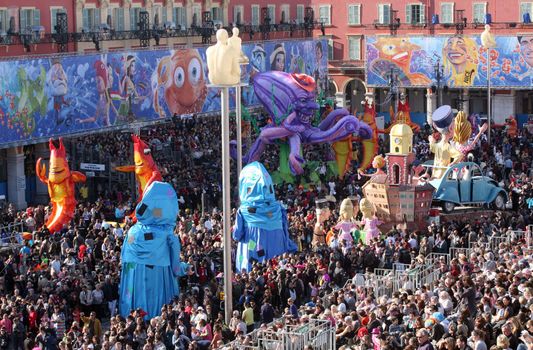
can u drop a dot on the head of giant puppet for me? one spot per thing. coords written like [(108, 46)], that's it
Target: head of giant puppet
[(142, 156), (59, 169)]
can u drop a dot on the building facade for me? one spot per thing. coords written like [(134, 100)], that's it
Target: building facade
[(350, 23)]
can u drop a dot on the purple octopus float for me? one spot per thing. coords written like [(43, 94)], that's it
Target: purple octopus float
[(293, 96)]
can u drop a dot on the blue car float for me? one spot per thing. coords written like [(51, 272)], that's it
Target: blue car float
[(464, 184)]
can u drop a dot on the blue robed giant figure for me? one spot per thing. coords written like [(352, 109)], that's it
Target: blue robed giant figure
[(261, 226), (151, 253)]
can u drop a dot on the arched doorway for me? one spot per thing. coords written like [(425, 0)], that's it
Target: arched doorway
[(354, 94)]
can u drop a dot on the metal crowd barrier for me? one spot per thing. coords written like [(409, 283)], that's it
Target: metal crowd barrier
[(317, 333)]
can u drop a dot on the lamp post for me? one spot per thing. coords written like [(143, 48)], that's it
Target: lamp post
[(439, 74), (488, 42), (394, 90)]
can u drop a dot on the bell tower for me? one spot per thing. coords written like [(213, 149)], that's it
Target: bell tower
[(401, 156)]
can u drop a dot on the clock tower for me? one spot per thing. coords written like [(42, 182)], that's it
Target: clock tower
[(401, 156)]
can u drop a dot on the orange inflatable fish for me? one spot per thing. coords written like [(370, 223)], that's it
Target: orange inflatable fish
[(60, 183)]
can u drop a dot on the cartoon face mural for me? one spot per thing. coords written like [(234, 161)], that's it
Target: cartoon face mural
[(526, 48), (183, 80), (277, 58), (57, 80), (460, 60), (258, 58), (399, 51)]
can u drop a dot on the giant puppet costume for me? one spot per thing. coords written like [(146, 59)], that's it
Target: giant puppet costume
[(60, 183), (261, 226), (151, 253)]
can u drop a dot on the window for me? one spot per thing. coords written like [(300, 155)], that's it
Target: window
[(4, 21), (135, 17), (446, 12), (525, 7), (53, 17), (272, 13), (115, 15), (415, 13), (324, 12), (330, 50), (300, 14), (384, 13), (196, 15), (354, 47), (159, 15), (285, 14), (354, 14), (29, 18), (255, 15), (479, 10), (216, 13), (179, 17), (237, 14)]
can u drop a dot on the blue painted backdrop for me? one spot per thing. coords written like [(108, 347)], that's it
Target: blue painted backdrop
[(464, 60), (48, 97)]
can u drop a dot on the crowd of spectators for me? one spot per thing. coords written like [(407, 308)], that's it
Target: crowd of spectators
[(61, 290)]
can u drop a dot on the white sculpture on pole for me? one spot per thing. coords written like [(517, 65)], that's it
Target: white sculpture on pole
[(487, 39), (223, 60), (236, 42)]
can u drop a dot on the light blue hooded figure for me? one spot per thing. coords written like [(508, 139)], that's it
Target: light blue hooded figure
[(151, 254), (261, 226)]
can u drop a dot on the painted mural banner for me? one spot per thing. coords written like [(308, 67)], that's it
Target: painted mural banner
[(52, 96), (413, 59)]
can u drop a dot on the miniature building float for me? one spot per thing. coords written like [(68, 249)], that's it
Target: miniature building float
[(398, 196)]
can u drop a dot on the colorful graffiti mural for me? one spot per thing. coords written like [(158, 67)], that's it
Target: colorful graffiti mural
[(47, 97), (463, 57)]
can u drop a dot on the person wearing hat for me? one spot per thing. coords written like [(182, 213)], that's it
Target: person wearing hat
[(443, 150)]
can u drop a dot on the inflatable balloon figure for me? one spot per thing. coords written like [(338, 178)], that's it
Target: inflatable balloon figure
[(151, 253), (370, 221), (462, 133), (403, 116), (371, 145), (346, 224), (290, 101), (261, 226), (145, 168), (60, 183)]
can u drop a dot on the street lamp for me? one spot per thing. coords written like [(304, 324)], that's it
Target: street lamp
[(393, 90), (488, 42), (439, 74)]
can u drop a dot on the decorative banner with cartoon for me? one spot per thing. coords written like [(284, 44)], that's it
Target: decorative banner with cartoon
[(463, 57), (47, 97)]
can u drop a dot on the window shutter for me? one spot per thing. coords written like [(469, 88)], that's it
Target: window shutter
[(133, 25), (120, 19), (22, 21), (357, 14), (164, 14), (85, 21), (524, 8), (36, 17), (422, 13), (184, 17), (97, 18), (408, 13), (351, 14)]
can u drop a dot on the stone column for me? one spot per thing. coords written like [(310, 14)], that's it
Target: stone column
[(466, 102), (16, 178), (431, 105), (340, 99), (41, 189)]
